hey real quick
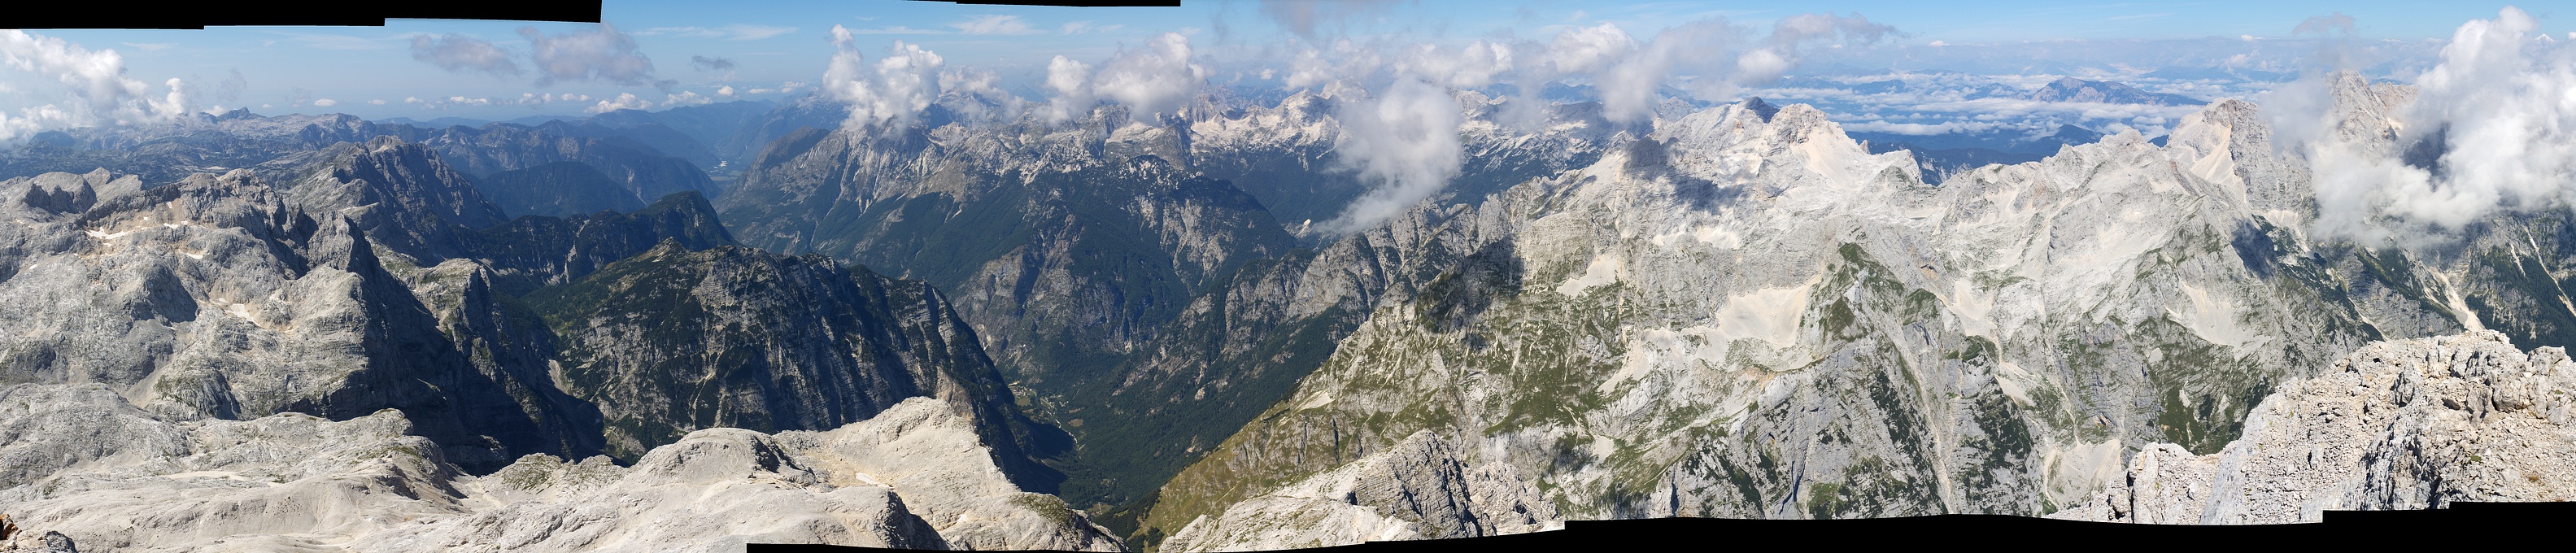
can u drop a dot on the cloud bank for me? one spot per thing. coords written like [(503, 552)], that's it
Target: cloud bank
[(885, 95), (97, 90), (2500, 110), (1404, 141)]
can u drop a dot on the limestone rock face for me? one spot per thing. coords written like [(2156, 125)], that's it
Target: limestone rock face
[(363, 287), (1418, 489), (117, 478), (283, 481), (2408, 424), (1745, 314), (673, 340)]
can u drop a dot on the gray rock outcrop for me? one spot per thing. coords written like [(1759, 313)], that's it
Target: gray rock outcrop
[(117, 478), (1418, 489), (2399, 425)]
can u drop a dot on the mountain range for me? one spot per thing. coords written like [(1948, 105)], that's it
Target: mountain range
[(744, 322)]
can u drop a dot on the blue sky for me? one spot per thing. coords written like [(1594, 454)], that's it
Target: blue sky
[(773, 44)]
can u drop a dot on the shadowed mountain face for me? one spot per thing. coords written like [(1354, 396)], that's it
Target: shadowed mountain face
[(380, 277), (645, 172), (559, 189), (1739, 310), (675, 340), (1120, 273)]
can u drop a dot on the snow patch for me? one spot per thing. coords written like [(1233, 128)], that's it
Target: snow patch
[(1605, 269)]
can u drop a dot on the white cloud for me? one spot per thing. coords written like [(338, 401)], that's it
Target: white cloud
[(1404, 142), (460, 53), (1587, 49), (1071, 82), (981, 84), (995, 25), (325, 102), (599, 54), (1477, 64), (1152, 80), (624, 100), (2502, 105), (99, 92), (888, 94), (685, 98), (726, 92)]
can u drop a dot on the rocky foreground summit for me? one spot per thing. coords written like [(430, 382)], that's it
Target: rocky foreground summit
[(113, 477), (2408, 424)]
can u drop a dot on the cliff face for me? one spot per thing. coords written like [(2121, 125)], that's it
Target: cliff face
[(673, 340), (219, 296), (382, 279), (1744, 314), (2409, 424), (372, 317), (1104, 262)]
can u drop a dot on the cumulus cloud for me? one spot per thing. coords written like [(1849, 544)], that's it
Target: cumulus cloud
[(98, 90), (1404, 142), (984, 86), (1150, 81), (325, 102), (1476, 64), (601, 54), (2500, 108), (1070, 81), (1630, 88), (461, 54), (887, 94), (1583, 50), (703, 63)]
